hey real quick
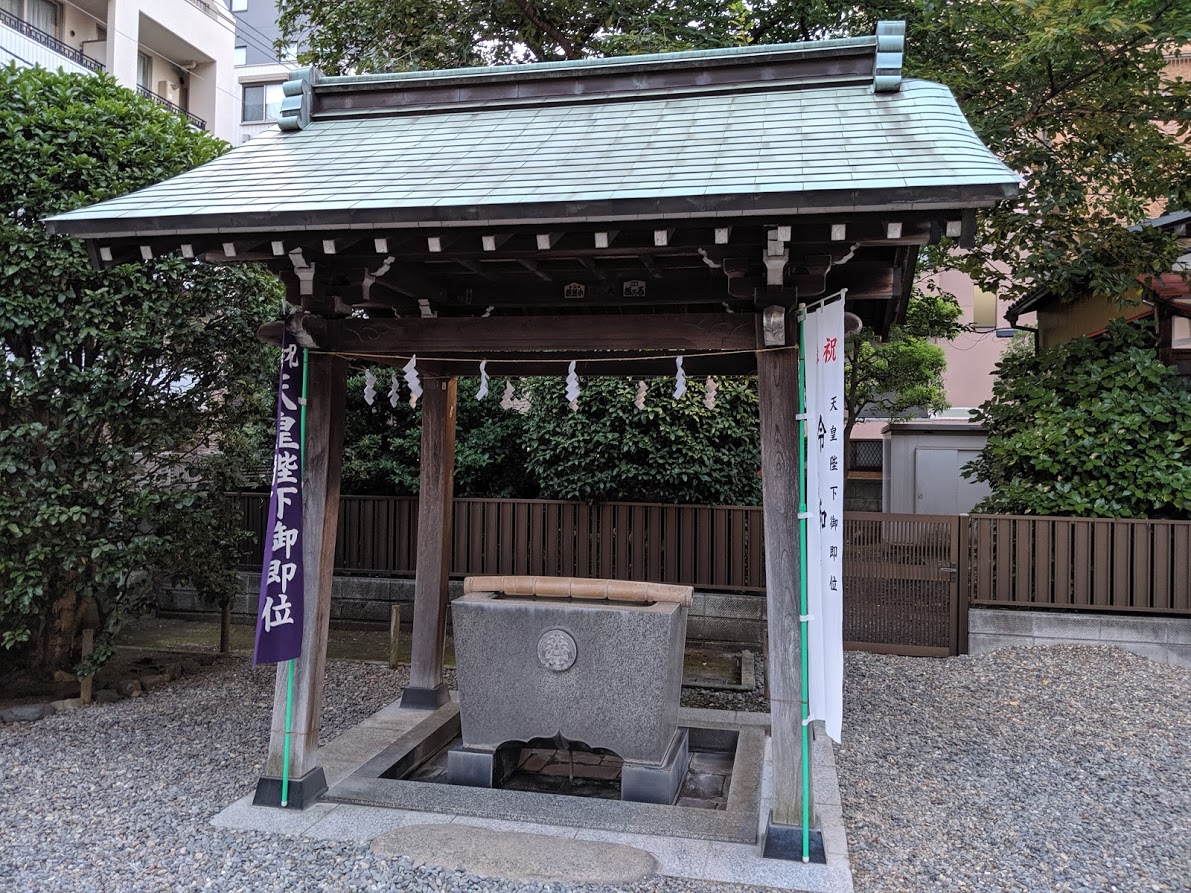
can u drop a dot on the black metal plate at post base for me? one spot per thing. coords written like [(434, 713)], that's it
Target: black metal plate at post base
[(785, 842), (303, 792), (425, 698)]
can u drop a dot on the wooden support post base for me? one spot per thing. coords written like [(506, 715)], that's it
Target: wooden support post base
[(785, 842), (303, 792), (414, 698)]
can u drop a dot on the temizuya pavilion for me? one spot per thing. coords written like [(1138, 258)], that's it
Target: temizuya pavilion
[(633, 208)]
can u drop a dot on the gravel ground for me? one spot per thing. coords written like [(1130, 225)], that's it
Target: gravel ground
[(1065, 769), (118, 798)]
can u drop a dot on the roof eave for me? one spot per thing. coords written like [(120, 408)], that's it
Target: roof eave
[(732, 205)]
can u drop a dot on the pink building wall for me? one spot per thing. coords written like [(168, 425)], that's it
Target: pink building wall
[(971, 357)]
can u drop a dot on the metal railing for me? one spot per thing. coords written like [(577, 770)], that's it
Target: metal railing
[(194, 120), (49, 41)]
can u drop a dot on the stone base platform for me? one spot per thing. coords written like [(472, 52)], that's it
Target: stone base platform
[(367, 799)]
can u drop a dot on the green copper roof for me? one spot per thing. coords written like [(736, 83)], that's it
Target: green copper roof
[(843, 148), (797, 129)]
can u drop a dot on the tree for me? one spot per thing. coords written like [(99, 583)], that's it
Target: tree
[(378, 35), (382, 444), (671, 451), (120, 390), (892, 377), (1068, 93), (1092, 428)]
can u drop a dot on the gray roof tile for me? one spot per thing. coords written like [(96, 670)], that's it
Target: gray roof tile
[(771, 142)]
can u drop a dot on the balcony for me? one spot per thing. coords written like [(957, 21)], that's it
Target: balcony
[(194, 121), (29, 46)]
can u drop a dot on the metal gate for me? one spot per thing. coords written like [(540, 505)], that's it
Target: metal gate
[(901, 584)]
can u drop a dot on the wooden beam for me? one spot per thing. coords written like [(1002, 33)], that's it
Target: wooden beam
[(436, 337), (777, 384), (693, 286), (590, 265), (322, 463), (551, 364), (426, 687), (647, 262), (905, 262), (472, 267), (536, 270)]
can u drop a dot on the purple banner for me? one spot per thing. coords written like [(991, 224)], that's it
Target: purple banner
[(279, 613)]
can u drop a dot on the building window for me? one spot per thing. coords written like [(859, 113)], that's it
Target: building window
[(239, 5), (1180, 333), (867, 455), (43, 15), (984, 310), (241, 55), (144, 71), (262, 102)]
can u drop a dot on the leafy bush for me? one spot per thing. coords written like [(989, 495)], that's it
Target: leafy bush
[(117, 386), (1092, 428), (672, 451), (382, 443)]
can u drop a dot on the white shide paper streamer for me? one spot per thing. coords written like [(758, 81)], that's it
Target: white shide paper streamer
[(412, 379)]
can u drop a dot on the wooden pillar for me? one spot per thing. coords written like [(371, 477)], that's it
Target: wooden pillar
[(777, 384), (325, 399), (426, 689)]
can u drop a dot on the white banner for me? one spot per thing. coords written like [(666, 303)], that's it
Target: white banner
[(824, 344)]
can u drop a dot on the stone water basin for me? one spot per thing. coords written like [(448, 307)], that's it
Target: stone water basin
[(597, 662)]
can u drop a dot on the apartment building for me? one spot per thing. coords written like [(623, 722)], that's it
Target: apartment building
[(260, 69), (179, 53)]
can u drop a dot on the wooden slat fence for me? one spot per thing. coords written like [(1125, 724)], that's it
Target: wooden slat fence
[(1090, 564), (618, 540), (908, 579), (899, 578)]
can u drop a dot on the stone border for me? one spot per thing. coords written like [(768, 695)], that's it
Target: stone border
[(369, 786), (1163, 639)]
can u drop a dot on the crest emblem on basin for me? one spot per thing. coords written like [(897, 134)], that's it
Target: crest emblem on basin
[(557, 650)]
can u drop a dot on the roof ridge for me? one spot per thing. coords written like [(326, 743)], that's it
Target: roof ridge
[(875, 60)]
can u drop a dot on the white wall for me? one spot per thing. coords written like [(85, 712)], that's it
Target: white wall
[(26, 52)]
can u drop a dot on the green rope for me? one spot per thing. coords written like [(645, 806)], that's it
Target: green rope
[(289, 687), (802, 589)]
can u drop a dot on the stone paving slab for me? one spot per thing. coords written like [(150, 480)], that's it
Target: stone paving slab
[(673, 855), (516, 854)]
